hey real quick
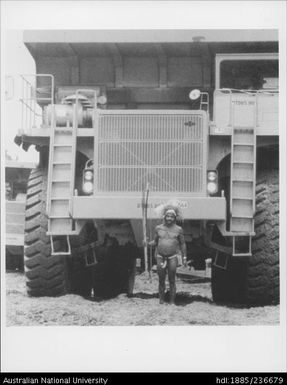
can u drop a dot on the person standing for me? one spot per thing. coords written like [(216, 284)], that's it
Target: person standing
[(170, 248)]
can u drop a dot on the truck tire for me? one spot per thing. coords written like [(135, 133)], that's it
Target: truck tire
[(255, 280), (46, 274)]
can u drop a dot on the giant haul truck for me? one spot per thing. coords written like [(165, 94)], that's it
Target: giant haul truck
[(191, 114)]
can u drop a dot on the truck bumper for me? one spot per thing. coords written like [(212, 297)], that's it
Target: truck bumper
[(130, 207)]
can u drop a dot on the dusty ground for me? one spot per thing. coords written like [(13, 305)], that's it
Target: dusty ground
[(194, 307)]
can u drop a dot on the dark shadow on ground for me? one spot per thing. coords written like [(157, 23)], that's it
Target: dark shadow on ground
[(142, 295), (182, 299)]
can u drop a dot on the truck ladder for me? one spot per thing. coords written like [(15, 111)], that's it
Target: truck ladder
[(242, 185), (61, 176)]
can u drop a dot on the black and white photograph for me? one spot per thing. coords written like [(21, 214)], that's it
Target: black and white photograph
[(144, 170)]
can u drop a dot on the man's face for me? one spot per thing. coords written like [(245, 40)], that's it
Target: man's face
[(169, 219)]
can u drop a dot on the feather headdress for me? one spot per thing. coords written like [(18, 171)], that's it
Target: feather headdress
[(173, 205)]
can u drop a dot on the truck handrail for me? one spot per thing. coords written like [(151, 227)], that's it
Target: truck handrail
[(30, 100), (231, 90)]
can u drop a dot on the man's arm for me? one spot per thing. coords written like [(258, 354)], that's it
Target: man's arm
[(182, 244), (155, 241)]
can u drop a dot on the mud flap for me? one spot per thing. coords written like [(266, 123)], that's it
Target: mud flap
[(221, 260)]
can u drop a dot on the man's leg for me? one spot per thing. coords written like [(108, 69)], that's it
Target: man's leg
[(172, 265), (161, 279)]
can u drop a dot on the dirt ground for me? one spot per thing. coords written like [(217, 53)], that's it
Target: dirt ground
[(194, 306)]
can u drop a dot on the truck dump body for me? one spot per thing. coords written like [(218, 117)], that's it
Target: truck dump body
[(143, 69)]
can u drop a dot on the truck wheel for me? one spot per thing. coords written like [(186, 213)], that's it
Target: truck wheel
[(255, 280), (46, 274)]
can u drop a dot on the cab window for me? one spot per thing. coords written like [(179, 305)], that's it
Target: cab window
[(249, 74)]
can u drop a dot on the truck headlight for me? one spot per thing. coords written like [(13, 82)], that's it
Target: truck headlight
[(212, 182), (88, 187), (88, 178), (211, 175), (88, 175)]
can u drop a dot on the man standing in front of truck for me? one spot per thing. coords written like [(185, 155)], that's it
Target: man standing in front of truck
[(170, 244)]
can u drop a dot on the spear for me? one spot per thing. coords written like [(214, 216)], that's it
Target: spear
[(144, 218)]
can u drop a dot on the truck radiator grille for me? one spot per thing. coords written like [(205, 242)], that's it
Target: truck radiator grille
[(166, 150)]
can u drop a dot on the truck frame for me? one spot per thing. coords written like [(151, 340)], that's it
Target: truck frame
[(194, 117)]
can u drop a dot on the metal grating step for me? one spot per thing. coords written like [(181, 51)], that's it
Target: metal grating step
[(60, 217), (243, 216), (60, 181), (242, 162), (242, 254), (242, 180), (59, 233), (243, 199), (62, 129), (61, 145), (60, 198), (244, 144), (62, 163)]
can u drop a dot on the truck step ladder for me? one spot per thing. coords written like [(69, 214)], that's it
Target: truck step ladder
[(61, 175), (204, 101), (242, 185)]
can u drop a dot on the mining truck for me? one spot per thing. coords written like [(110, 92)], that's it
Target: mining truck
[(193, 115)]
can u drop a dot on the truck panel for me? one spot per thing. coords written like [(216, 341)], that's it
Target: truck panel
[(261, 109), (15, 219), (130, 207)]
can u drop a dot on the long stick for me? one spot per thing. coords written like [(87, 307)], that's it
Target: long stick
[(150, 249), (146, 205), (144, 217)]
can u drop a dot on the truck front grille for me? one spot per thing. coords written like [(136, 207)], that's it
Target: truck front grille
[(165, 149)]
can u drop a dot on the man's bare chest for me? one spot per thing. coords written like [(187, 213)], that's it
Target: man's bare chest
[(165, 233)]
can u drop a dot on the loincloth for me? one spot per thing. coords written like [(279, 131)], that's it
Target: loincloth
[(165, 258)]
